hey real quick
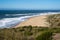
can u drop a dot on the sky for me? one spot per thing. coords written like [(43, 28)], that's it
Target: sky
[(30, 4)]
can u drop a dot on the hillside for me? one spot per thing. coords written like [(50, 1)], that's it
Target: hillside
[(34, 32)]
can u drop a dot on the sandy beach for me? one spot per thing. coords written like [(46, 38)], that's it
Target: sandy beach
[(35, 21)]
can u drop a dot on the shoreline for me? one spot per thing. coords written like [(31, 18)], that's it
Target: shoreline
[(7, 22), (30, 20), (41, 21)]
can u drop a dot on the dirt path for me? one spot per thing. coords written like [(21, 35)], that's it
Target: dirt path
[(56, 36)]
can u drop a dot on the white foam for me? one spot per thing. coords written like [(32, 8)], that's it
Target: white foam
[(49, 13), (15, 14), (6, 22)]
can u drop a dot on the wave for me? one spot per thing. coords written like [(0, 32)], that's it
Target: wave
[(19, 14), (11, 22), (15, 14), (49, 13)]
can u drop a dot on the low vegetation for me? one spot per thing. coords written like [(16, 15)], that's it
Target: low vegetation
[(54, 20), (25, 33), (28, 33)]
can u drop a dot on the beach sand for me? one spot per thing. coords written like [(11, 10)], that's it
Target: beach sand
[(35, 21)]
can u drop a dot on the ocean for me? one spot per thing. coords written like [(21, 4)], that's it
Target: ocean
[(11, 18)]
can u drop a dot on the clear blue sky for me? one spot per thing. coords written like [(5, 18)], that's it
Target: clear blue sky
[(29, 4)]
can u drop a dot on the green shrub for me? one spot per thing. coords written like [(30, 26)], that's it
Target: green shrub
[(28, 33), (47, 35)]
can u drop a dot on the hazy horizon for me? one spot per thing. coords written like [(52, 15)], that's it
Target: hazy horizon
[(29, 4)]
